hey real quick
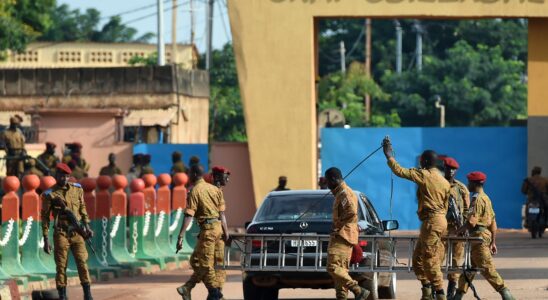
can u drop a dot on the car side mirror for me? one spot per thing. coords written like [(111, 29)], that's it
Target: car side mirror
[(389, 225), (247, 224)]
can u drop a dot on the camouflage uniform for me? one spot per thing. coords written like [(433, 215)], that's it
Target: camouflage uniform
[(147, 169), (344, 236), (433, 192), (110, 170), (15, 146), (481, 217), (460, 193), (64, 237), (49, 160), (205, 204), (78, 173), (178, 167)]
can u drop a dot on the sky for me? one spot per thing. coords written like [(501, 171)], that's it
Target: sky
[(146, 10)]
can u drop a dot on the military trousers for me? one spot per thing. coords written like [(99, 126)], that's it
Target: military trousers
[(203, 258), (339, 252), (457, 249), (429, 251), (219, 260), (481, 258), (62, 243)]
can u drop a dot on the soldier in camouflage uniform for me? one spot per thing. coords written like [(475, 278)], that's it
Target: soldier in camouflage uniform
[(178, 164), (343, 237), (460, 193), (207, 206), (433, 194), (65, 236), (48, 158), (146, 167), (481, 223), (14, 145), (111, 169)]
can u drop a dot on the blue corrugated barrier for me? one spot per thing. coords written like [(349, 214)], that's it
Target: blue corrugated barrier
[(500, 152)]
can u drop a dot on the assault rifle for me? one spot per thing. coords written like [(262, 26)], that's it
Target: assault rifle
[(454, 213), (79, 227)]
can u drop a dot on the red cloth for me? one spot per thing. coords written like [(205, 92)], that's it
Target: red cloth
[(451, 163), (63, 168), (357, 254), (477, 176), (220, 169)]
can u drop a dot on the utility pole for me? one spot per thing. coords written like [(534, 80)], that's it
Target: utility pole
[(174, 33), (399, 37), (343, 57), (192, 22), (209, 33), (442, 110), (367, 67), (418, 54), (160, 48)]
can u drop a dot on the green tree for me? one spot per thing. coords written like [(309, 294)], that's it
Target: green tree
[(347, 92), (147, 60), (22, 21), (72, 25)]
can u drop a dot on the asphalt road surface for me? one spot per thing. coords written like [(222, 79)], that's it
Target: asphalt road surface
[(522, 262)]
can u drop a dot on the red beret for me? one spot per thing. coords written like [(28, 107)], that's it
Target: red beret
[(64, 168), (78, 145), (50, 145), (477, 176), (451, 163), (208, 178), (219, 169)]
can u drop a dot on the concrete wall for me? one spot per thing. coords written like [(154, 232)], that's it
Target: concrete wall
[(94, 131), (239, 196), (274, 46)]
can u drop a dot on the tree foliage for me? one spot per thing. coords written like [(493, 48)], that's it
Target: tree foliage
[(73, 25), (22, 21)]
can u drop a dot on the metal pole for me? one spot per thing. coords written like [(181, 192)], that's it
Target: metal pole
[(343, 57), (160, 48), (367, 67), (399, 37), (174, 33), (418, 54), (191, 22), (209, 33)]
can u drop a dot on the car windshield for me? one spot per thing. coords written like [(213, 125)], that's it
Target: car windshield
[(291, 207)]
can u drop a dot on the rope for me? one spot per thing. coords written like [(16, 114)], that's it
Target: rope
[(104, 234), (134, 235)]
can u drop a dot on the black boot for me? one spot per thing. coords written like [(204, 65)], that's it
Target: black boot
[(451, 289), (62, 293), (213, 294), (87, 291)]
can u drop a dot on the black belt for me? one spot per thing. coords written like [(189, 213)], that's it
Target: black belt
[(208, 221)]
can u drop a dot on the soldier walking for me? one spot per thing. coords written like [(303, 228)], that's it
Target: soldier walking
[(481, 223), (343, 236), (462, 198), (48, 157), (207, 205), (62, 197), (433, 194), (14, 145)]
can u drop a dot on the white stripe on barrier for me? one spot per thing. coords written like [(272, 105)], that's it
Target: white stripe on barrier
[(161, 218), (26, 232), (7, 236), (175, 224), (147, 223), (115, 226)]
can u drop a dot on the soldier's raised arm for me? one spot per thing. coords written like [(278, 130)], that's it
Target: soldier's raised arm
[(413, 174)]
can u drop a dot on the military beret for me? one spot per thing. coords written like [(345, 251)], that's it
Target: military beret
[(63, 168), (208, 178), (451, 163), (77, 145), (50, 145), (219, 169), (477, 176)]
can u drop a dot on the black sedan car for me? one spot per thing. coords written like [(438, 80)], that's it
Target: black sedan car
[(308, 212)]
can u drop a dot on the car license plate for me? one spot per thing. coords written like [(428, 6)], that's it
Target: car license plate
[(534, 210), (304, 243)]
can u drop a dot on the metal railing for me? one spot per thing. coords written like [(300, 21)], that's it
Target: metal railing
[(308, 253)]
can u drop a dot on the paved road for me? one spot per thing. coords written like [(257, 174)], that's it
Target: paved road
[(522, 261)]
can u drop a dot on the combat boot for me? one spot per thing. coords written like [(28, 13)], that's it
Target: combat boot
[(458, 296), (184, 291), (87, 291), (440, 295), (451, 289), (62, 293), (426, 292), (505, 293), (360, 293), (341, 294), (213, 294)]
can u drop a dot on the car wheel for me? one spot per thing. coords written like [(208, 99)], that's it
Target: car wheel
[(388, 292), (533, 230), (270, 293), (372, 286), (251, 291)]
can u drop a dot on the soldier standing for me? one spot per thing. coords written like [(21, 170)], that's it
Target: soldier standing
[(61, 197), (433, 194), (48, 158), (220, 179), (343, 237), (178, 164), (14, 145), (111, 169), (481, 223), (207, 205), (282, 184), (146, 167), (462, 198)]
